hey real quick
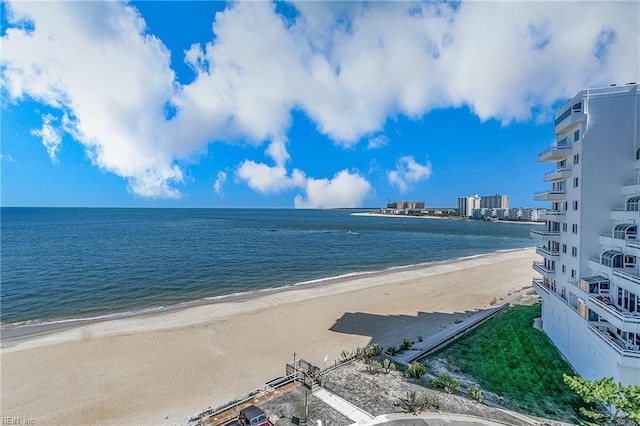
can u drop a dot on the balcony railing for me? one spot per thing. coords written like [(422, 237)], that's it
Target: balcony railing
[(549, 195), (544, 251), (555, 152), (628, 274), (536, 282), (605, 303), (615, 343), (544, 234), (540, 268), (561, 173)]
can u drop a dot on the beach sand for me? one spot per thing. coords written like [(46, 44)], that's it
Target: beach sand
[(164, 368)]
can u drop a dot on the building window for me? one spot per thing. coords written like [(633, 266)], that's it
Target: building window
[(575, 182), (566, 205), (564, 227), (574, 228), (574, 251), (576, 136), (564, 269), (576, 159), (573, 273), (575, 205), (564, 248)]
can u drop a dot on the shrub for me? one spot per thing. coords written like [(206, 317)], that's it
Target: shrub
[(475, 393), (372, 350), (388, 366), (392, 350), (446, 382), (420, 338), (406, 344), (414, 403), (374, 367), (416, 369)]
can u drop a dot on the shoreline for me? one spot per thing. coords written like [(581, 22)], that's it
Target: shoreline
[(24, 329), (164, 367), (406, 216)]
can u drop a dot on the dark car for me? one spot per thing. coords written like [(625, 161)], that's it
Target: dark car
[(253, 416)]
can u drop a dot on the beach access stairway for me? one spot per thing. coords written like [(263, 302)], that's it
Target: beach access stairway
[(438, 340)]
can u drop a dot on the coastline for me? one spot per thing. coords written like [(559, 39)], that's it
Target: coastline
[(162, 367), (11, 332), (403, 216)]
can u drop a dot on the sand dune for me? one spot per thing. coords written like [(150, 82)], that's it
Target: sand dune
[(165, 367)]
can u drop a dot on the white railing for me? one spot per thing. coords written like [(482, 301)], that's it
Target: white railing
[(617, 312), (626, 275), (557, 171), (556, 147), (536, 282), (613, 344), (539, 266)]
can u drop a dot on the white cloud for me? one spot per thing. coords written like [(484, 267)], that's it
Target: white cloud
[(377, 142), (49, 135), (344, 190), (268, 180), (221, 178), (348, 66), (408, 171), (7, 158)]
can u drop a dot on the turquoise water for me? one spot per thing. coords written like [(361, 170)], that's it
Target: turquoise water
[(72, 262)]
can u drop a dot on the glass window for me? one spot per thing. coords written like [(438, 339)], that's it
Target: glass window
[(564, 227), (575, 182), (576, 136), (576, 159), (564, 248), (575, 205), (564, 269), (574, 251), (574, 228), (573, 273)]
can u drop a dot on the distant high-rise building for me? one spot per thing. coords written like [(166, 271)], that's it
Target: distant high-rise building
[(590, 285), (466, 205), (494, 201)]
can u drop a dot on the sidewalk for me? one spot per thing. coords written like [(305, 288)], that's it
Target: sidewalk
[(344, 407)]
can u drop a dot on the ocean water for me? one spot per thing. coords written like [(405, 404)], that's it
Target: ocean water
[(63, 263)]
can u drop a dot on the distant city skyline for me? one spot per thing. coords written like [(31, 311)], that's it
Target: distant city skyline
[(282, 105)]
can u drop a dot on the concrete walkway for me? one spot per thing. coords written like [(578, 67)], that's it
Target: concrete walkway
[(360, 417), (431, 419), (449, 334)]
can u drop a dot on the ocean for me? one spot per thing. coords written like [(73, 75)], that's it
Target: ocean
[(65, 263)]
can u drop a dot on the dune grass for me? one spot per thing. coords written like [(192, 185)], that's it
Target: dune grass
[(509, 357)]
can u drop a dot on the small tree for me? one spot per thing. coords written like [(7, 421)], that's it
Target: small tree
[(614, 403), (372, 350), (406, 344), (416, 369), (374, 367)]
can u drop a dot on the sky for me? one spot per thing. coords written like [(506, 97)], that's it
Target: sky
[(313, 104)]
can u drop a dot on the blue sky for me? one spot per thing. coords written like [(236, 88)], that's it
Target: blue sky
[(309, 104)]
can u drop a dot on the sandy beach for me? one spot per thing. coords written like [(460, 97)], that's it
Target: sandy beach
[(163, 368)]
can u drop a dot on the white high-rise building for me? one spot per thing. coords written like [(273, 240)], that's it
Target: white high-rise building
[(497, 201), (590, 285), (466, 205)]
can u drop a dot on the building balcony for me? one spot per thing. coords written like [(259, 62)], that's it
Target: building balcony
[(540, 268), (568, 121), (614, 314), (544, 234), (562, 173), (549, 254), (623, 215), (629, 274), (538, 286), (615, 343), (555, 152), (631, 187), (553, 215), (550, 195)]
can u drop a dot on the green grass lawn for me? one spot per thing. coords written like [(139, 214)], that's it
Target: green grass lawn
[(509, 357)]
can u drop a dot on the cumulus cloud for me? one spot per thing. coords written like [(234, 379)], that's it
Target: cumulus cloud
[(49, 135), (377, 142), (407, 172), (347, 66), (345, 189), (221, 178)]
